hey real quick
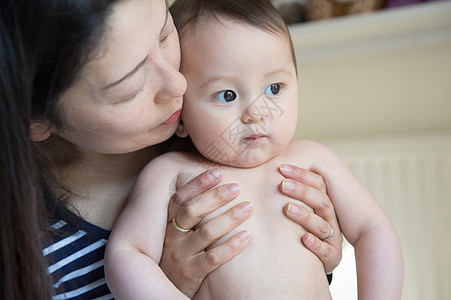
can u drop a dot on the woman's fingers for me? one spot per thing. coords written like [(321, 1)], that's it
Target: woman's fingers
[(328, 253), (184, 259), (217, 256), (216, 228), (307, 177), (311, 196), (193, 189), (188, 272), (318, 238), (310, 188), (195, 209), (309, 220)]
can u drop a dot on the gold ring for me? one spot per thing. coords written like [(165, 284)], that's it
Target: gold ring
[(176, 226), (329, 237)]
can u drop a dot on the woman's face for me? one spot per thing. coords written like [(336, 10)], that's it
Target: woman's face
[(129, 95)]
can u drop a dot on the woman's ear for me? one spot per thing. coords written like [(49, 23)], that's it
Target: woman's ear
[(39, 131), (181, 131)]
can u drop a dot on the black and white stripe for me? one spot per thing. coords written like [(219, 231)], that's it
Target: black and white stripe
[(76, 261)]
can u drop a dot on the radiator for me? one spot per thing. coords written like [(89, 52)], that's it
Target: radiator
[(411, 177)]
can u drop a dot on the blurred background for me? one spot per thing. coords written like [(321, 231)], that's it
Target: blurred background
[(375, 87)]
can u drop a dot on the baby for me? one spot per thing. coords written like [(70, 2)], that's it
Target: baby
[(240, 111)]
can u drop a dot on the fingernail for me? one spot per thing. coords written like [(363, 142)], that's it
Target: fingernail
[(286, 168), (309, 240), (240, 238), (233, 189), (246, 207), (288, 185), (293, 209), (243, 235), (214, 174)]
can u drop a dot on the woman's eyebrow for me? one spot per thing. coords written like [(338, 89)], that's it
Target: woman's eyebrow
[(129, 74), (144, 60)]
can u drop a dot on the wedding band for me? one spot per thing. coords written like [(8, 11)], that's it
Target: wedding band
[(176, 226), (330, 236)]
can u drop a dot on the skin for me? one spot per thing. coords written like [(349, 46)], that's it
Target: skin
[(128, 92), (135, 247), (266, 118), (264, 60), (237, 93), (124, 102)]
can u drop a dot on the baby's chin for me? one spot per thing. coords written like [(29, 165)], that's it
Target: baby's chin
[(243, 161)]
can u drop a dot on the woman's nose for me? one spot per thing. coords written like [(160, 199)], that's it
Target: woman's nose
[(172, 83)]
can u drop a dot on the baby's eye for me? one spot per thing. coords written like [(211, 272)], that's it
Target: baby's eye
[(273, 89), (226, 96)]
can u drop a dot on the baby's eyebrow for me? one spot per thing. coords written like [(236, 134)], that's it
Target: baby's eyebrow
[(277, 71), (213, 79)]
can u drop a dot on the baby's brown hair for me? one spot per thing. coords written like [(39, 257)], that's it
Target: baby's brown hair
[(259, 13)]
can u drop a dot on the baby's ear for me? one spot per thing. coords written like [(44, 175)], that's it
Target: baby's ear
[(39, 131), (181, 131)]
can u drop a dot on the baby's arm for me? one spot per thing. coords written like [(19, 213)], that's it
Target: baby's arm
[(366, 226), (135, 245)]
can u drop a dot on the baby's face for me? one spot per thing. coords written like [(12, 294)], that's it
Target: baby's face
[(240, 108)]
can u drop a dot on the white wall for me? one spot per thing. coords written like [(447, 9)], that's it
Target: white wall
[(384, 73), (387, 93)]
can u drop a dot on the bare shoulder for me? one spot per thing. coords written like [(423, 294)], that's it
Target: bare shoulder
[(174, 158), (169, 164), (312, 154), (304, 145), (308, 147)]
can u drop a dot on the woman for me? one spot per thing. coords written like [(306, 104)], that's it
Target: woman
[(95, 86)]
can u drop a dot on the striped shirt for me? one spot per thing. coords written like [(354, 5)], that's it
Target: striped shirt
[(76, 261)]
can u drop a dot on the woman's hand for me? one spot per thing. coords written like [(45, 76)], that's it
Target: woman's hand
[(184, 260), (309, 188)]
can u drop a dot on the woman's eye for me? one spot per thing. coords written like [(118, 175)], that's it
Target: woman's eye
[(165, 37), (226, 96), (273, 89), (162, 40)]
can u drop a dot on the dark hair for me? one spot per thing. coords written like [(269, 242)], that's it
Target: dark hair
[(43, 46), (21, 263), (258, 13)]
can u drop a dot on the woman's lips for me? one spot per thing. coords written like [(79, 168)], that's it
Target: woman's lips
[(175, 116)]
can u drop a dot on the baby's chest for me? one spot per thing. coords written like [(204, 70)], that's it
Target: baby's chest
[(261, 187)]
